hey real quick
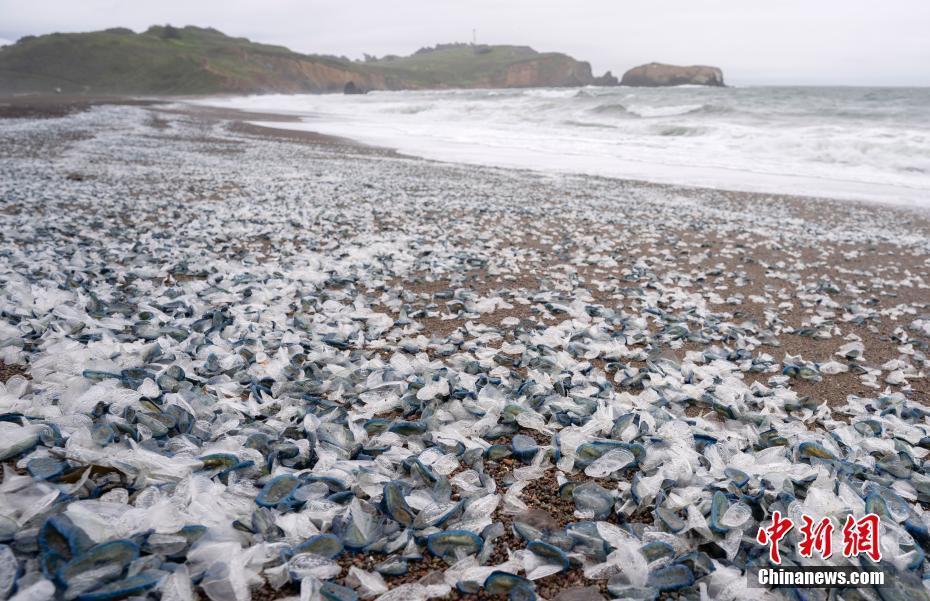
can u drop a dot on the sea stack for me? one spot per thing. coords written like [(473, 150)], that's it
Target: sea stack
[(658, 74), (351, 88)]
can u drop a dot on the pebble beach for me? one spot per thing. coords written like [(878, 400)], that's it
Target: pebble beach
[(243, 363)]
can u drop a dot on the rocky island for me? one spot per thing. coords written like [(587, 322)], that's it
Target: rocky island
[(659, 75)]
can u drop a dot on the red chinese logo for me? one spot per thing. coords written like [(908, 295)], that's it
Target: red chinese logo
[(816, 537), (859, 537), (773, 534)]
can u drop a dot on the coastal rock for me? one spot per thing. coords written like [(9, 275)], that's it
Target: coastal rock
[(658, 74), (607, 79), (351, 88), (550, 70)]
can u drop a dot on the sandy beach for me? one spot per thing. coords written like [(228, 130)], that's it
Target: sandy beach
[(726, 313)]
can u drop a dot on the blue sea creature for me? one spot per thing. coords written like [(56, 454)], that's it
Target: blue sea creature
[(593, 498), (524, 447), (814, 450), (718, 506), (437, 514), (46, 468), (671, 578), (124, 588), (278, 492), (655, 550), (59, 536), (9, 571), (501, 583), (334, 592), (395, 505), (392, 567), (408, 428), (327, 545), (454, 543), (550, 553), (109, 558), (670, 519)]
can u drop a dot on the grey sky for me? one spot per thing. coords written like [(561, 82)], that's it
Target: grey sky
[(785, 41)]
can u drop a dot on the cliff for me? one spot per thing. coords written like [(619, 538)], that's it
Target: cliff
[(168, 60), (553, 71), (657, 74), (483, 66), (165, 60)]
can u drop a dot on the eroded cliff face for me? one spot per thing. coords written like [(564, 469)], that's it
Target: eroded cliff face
[(544, 72), (292, 75), (318, 77), (658, 74), (308, 76), (301, 75)]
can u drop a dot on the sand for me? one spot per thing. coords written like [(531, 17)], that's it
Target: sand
[(799, 269)]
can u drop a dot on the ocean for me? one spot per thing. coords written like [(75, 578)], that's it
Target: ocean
[(837, 142)]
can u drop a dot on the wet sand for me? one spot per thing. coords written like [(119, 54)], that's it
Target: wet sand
[(35, 106)]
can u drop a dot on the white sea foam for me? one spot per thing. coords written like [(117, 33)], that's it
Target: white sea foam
[(856, 143)]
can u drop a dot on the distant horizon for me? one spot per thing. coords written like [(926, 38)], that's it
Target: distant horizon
[(830, 43)]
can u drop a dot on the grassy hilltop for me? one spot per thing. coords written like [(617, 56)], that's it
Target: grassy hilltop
[(465, 65), (195, 60), (161, 60)]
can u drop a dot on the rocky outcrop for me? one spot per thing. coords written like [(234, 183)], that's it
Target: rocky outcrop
[(607, 79), (351, 88), (657, 74), (546, 71), (300, 74), (552, 71)]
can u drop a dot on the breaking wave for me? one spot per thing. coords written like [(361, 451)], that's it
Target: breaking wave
[(612, 108), (869, 143), (681, 130)]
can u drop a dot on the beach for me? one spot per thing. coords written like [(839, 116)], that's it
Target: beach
[(853, 143), (301, 279)]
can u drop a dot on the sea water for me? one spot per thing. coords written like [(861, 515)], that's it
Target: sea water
[(839, 142)]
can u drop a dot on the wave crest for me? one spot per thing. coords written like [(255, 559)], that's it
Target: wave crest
[(612, 108), (651, 112)]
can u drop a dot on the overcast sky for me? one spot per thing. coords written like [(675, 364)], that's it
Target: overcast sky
[(853, 42)]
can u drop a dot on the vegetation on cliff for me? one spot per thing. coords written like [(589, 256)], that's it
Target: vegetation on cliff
[(194, 60), (467, 65)]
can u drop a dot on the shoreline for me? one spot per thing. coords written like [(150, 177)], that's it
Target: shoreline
[(246, 120), (299, 281), (43, 106), (243, 122), (40, 106), (795, 208), (618, 154)]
